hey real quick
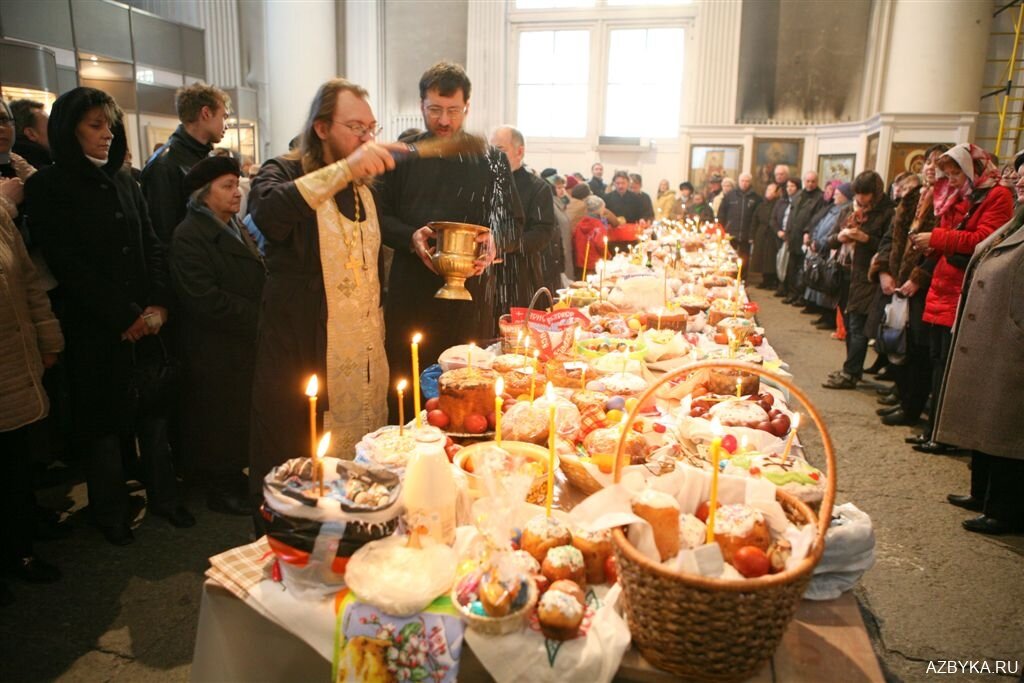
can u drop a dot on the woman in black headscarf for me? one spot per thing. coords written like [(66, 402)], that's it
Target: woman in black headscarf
[(92, 222)]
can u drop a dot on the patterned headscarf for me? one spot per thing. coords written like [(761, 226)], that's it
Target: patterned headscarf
[(968, 157)]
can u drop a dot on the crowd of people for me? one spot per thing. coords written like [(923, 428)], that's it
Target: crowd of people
[(171, 318)]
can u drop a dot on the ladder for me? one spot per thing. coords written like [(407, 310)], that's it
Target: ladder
[(1004, 142)]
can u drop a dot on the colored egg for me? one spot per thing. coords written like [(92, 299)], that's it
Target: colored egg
[(614, 417), (477, 608), (632, 403), (615, 403)]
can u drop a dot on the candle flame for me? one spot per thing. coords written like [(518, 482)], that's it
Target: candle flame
[(312, 387), (499, 386), (417, 338), (549, 393), (325, 443), (536, 354), (606, 240), (716, 426), (401, 385), (796, 421)]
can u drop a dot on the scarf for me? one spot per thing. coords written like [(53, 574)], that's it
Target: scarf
[(964, 155)]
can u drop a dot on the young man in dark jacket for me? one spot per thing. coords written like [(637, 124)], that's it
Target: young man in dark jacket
[(736, 214), (203, 112)]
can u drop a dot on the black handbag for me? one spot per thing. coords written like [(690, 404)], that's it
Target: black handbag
[(823, 274), (155, 376)]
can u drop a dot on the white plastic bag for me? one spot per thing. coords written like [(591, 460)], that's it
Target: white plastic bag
[(849, 552)]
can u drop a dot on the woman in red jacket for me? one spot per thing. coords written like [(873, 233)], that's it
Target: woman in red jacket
[(592, 228), (971, 205)]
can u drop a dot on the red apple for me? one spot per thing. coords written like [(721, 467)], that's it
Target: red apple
[(438, 418), (729, 443), (432, 404), (765, 426), (450, 451)]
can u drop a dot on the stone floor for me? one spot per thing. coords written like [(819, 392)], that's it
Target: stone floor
[(935, 593)]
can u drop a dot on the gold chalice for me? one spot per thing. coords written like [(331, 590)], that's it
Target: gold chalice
[(456, 251)]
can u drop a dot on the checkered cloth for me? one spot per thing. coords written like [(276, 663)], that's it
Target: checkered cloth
[(592, 417), (240, 569)]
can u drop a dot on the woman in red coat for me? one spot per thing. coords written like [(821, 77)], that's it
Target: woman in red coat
[(591, 228), (970, 205)]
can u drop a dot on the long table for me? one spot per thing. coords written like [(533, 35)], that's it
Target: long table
[(236, 643)]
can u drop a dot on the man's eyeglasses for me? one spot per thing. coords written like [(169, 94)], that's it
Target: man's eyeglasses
[(6, 121), (359, 130), (435, 112)]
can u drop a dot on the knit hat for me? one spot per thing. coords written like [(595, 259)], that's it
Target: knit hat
[(548, 172), (571, 182), (594, 205), (581, 191), (846, 189), (208, 170)]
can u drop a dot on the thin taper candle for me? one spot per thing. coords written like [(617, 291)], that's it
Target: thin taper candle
[(416, 339)]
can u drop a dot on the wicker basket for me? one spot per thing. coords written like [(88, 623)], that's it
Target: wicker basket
[(712, 629), (499, 626), (510, 332)]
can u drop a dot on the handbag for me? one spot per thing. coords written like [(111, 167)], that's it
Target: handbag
[(782, 260), (892, 333), (155, 376)]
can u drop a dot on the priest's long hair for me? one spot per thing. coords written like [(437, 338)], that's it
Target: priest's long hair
[(325, 102)]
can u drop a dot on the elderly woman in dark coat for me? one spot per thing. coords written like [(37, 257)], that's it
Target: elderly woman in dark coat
[(762, 255), (857, 242), (985, 416), (97, 239), (218, 275)]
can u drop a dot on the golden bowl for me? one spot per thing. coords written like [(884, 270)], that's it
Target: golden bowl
[(455, 255)]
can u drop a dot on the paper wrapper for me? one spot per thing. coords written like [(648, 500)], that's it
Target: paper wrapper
[(528, 656), (611, 507)]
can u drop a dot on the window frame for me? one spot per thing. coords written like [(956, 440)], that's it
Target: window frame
[(600, 21)]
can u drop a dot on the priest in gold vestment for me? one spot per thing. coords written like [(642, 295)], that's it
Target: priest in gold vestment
[(321, 310)]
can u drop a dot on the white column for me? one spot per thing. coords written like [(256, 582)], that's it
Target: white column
[(486, 63), (364, 50), (717, 62), (301, 54), (936, 56)]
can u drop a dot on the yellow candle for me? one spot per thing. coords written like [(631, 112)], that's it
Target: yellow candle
[(533, 376), (739, 387), (792, 436), (605, 248), (312, 387), (499, 389), (583, 378), (550, 395), (318, 466), (659, 319), (716, 447), (401, 407), (416, 339), (600, 279), (469, 354), (586, 259)]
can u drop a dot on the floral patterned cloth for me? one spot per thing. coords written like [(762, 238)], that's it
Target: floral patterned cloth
[(374, 647)]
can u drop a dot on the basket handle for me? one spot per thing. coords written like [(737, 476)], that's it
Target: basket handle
[(825, 512), (533, 301)]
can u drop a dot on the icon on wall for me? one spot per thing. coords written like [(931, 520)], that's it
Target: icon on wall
[(836, 167), (707, 160), (769, 153)]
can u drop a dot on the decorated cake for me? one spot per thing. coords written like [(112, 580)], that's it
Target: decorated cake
[(793, 475), (464, 392)]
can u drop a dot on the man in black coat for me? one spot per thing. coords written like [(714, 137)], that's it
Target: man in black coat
[(596, 181), (622, 202), (538, 206), (805, 205), (203, 112), (736, 214), (636, 186), (31, 140)]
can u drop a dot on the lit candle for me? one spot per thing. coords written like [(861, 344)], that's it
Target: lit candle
[(716, 447), (550, 396), (499, 389), (583, 378), (739, 274), (416, 339), (401, 407), (533, 376), (605, 248), (469, 355), (739, 387), (312, 387), (586, 260), (318, 464), (792, 436), (732, 342), (660, 311)]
